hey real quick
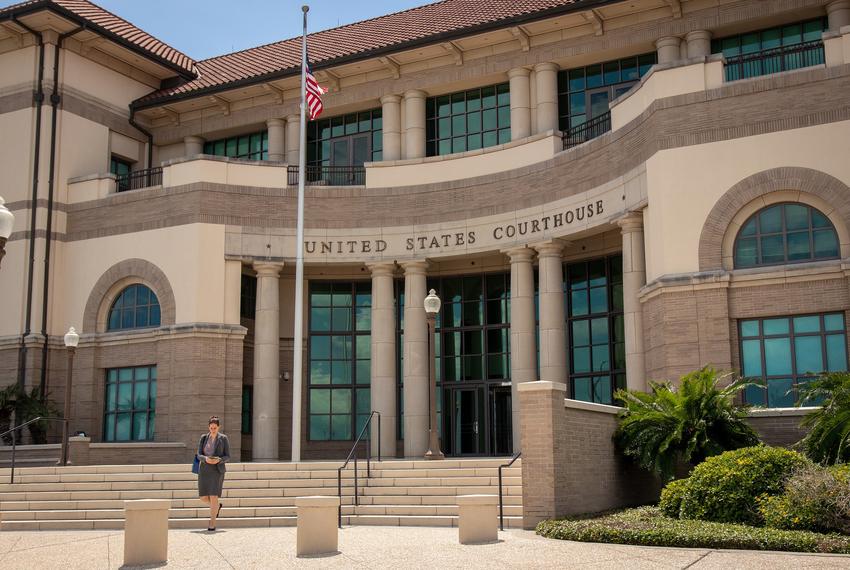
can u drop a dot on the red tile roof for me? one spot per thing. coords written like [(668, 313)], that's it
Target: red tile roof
[(425, 24), (110, 25)]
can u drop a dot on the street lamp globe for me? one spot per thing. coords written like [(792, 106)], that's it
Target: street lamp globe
[(71, 338), (432, 303), (7, 220)]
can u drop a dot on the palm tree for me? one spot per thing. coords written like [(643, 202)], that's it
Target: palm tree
[(828, 437), (671, 426)]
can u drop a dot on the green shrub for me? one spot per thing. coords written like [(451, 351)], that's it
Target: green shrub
[(725, 488), (828, 437), (684, 424), (671, 497), (815, 498)]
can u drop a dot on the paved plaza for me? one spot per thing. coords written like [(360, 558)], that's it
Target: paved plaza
[(379, 547)]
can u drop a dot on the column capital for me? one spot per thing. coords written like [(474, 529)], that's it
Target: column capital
[(668, 41), (382, 268), (293, 118), (268, 268), (193, 139), (522, 254), (695, 35), (415, 94), (549, 248), (275, 122), (837, 5), (630, 222), (391, 98), (519, 72), (414, 266), (546, 66)]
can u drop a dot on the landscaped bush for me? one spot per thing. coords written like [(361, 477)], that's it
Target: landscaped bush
[(681, 425), (815, 498), (671, 497), (648, 526), (828, 437), (725, 488)]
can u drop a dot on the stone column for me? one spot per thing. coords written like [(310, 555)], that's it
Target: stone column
[(553, 336), (293, 138), (546, 78), (523, 343), (634, 277), (277, 139), (391, 107), (699, 43), (520, 103), (266, 362), (668, 49), (384, 357), (414, 124), (193, 146), (415, 361), (838, 13)]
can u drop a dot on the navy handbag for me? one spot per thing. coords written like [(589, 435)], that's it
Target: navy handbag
[(196, 465)]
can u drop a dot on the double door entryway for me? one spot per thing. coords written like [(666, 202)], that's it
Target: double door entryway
[(477, 419)]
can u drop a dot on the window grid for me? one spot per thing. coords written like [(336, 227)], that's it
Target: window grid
[(468, 120), (248, 297), (794, 359), (785, 233), (340, 359), (595, 328), (321, 133), (574, 84), (130, 404), (136, 307), (253, 146)]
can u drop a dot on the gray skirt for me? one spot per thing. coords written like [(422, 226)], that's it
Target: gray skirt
[(210, 480)]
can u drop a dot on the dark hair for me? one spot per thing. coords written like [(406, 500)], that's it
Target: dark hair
[(214, 420)]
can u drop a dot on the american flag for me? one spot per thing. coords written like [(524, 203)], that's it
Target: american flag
[(314, 94)]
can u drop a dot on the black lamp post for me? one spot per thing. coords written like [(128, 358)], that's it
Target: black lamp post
[(71, 341), (432, 307)]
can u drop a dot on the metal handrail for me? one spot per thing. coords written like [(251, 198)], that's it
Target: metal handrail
[(139, 179), (586, 131), (783, 58), (14, 442), (366, 426), (501, 505), (326, 175)]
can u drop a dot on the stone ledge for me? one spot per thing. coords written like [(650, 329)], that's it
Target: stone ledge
[(542, 386), (139, 445), (591, 406), (780, 412)]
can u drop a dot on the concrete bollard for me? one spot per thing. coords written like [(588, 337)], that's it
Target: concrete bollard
[(146, 531), (317, 525), (478, 521)]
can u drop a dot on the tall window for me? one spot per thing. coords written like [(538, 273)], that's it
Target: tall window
[(248, 297), (130, 406), (136, 307), (340, 359), (347, 140), (585, 92), (247, 409), (121, 169), (782, 353), (785, 233), (773, 50), (468, 120), (254, 146), (595, 328)]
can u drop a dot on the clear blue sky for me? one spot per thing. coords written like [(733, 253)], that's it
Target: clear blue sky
[(206, 28)]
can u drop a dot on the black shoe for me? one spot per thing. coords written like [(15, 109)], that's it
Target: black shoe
[(210, 529), (219, 510)]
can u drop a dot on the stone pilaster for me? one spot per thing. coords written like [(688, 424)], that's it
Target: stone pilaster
[(668, 49), (546, 79), (415, 360), (699, 43), (266, 418), (523, 343), (383, 381), (391, 113), (277, 139), (520, 103), (634, 277), (553, 336), (414, 123), (193, 146), (293, 138)]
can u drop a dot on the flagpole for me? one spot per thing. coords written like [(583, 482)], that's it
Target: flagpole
[(299, 258)]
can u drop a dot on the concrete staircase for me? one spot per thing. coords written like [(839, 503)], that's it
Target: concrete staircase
[(399, 493)]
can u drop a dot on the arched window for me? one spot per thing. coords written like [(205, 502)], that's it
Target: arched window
[(136, 307), (785, 233)]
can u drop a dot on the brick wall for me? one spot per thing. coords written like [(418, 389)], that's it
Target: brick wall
[(778, 427), (569, 462)]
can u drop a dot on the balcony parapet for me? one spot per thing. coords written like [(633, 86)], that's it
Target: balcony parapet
[(836, 46), (90, 187)]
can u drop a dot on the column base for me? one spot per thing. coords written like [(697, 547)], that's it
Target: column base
[(431, 455)]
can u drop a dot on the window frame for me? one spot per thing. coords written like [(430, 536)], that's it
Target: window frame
[(501, 131), (150, 411), (219, 147), (153, 301), (325, 131)]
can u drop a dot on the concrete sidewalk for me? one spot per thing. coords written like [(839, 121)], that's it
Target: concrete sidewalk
[(378, 547)]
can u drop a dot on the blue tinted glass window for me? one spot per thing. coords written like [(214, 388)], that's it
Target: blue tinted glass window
[(130, 404), (468, 120), (135, 307)]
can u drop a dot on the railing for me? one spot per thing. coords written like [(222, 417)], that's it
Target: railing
[(366, 426), (328, 175), (139, 179), (501, 499), (589, 130), (23, 425), (774, 60)]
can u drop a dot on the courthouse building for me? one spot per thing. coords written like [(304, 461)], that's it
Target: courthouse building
[(602, 193)]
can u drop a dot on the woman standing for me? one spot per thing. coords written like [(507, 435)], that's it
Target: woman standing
[(213, 453)]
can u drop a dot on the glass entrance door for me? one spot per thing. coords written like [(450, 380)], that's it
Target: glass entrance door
[(348, 152), (501, 436), (467, 435)]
